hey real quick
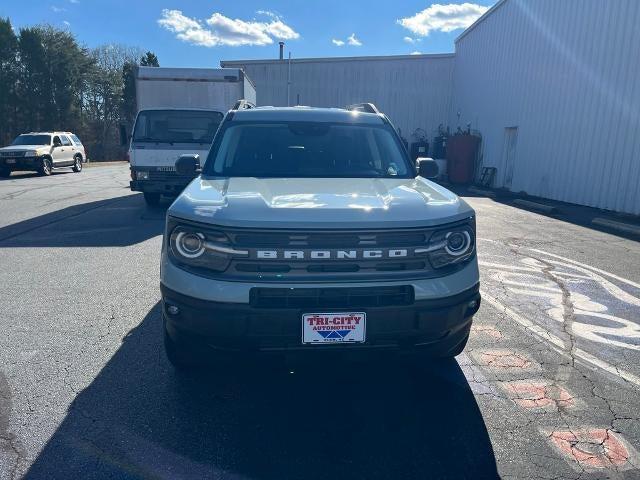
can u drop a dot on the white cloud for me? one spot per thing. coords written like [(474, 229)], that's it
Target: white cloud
[(268, 13), (416, 53), (66, 23), (221, 30), (443, 18), (352, 40), (58, 9), (409, 40)]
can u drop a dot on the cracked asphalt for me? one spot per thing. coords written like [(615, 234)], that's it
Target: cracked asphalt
[(548, 387)]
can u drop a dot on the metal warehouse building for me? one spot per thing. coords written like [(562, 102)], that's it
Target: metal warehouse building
[(553, 88)]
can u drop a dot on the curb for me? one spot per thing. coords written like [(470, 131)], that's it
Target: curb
[(540, 207), (617, 226), (479, 191)]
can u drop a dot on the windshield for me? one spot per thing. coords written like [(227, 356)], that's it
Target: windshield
[(176, 126), (307, 149), (32, 140)]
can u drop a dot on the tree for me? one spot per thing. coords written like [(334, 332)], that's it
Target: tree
[(105, 94), (8, 75), (149, 59), (51, 73)]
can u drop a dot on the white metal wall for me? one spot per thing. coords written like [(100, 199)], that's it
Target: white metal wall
[(567, 75), (413, 90)]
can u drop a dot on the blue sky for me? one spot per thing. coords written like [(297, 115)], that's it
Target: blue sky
[(201, 33)]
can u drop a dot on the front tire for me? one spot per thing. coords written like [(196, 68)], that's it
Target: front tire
[(77, 165), (45, 167), (152, 199)]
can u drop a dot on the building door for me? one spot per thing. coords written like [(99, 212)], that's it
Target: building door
[(509, 154)]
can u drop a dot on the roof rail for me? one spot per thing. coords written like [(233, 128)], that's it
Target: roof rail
[(363, 107), (243, 105)]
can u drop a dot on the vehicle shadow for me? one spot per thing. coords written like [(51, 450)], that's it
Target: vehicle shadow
[(21, 174), (119, 221), (336, 419)]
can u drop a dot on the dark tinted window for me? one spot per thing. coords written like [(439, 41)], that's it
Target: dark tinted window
[(176, 126), (32, 140), (307, 149)]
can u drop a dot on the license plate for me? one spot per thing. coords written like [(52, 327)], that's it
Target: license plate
[(11, 160), (335, 327)]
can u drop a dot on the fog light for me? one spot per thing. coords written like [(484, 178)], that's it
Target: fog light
[(142, 175), (472, 304), (173, 310)]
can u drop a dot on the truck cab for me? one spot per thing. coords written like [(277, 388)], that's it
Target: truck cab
[(159, 137), (178, 112)]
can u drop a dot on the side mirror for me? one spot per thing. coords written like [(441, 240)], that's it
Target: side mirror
[(124, 137), (188, 165), (427, 167)]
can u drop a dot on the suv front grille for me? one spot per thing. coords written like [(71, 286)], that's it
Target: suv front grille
[(331, 297), (333, 268)]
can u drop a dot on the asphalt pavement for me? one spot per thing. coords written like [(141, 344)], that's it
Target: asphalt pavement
[(548, 387)]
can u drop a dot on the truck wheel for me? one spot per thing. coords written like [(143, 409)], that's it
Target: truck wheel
[(181, 355), (5, 172), (45, 167), (152, 199), (77, 165)]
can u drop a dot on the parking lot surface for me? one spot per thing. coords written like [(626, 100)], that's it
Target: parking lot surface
[(548, 387)]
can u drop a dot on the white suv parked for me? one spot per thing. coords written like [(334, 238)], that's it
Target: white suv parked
[(42, 152)]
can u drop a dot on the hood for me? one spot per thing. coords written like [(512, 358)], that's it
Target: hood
[(319, 202), (21, 148)]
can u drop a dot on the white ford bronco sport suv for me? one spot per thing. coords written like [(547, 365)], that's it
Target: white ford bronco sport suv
[(42, 152), (311, 229)]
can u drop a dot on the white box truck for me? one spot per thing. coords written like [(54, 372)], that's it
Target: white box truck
[(179, 110)]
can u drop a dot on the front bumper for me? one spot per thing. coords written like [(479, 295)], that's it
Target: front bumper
[(437, 325), (151, 186), (20, 163)]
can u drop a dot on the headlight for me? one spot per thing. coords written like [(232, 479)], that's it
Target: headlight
[(190, 244), (31, 153), (201, 247), (140, 175), (451, 246)]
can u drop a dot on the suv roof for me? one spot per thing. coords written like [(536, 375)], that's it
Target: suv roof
[(48, 133), (307, 114)]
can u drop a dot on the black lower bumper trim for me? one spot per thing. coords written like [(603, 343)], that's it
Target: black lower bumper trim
[(167, 188), (438, 323)]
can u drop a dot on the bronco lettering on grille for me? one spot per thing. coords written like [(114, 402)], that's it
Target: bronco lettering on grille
[(330, 254)]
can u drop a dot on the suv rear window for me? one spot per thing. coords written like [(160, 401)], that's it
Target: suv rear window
[(307, 149), (75, 139)]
